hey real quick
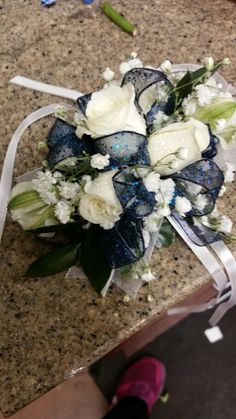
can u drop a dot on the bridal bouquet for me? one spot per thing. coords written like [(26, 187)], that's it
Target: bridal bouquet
[(143, 149)]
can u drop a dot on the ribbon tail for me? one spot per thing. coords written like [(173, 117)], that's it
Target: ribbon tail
[(211, 264), (8, 166), (229, 263), (46, 88)]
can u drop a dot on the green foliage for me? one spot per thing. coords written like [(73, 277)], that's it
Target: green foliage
[(93, 260), (55, 261)]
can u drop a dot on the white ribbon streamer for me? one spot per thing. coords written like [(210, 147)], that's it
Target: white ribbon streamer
[(224, 278), (8, 166), (46, 88)]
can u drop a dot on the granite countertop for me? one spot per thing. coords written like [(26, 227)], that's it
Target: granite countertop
[(53, 327)]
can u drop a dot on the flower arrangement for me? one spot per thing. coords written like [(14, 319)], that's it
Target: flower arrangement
[(142, 149)]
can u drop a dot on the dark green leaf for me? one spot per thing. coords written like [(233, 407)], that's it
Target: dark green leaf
[(93, 260), (54, 262), (166, 235), (184, 86)]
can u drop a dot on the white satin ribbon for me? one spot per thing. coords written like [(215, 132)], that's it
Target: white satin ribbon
[(224, 278)]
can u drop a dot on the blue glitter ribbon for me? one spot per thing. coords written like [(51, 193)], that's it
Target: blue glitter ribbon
[(204, 173), (142, 79), (135, 199), (124, 243), (64, 143), (126, 148)]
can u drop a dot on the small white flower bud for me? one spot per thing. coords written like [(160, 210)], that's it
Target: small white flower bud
[(182, 205), (226, 61), (126, 298), (124, 68), (208, 63), (133, 54), (166, 66), (149, 298), (108, 74)]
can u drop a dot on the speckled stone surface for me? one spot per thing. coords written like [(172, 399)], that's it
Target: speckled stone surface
[(50, 328)]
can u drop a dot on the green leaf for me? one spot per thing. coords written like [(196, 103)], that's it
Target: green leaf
[(93, 260), (166, 235), (55, 261), (24, 199), (184, 86)]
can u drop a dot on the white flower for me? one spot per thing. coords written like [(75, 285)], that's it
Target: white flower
[(192, 135), (200, 201), (99, 204), (160, 119), (124, 67), (146, 238), (166, 66), (28, 209), (217, 221), (86, 178), (226, 61), (167, 190), (44, 184), (99, 161), (135, 63), (148, 276), (208, 63), (108, 74), (204, 94), (229, 172), (69, 190), (112, 109), (182, 205), (133, 54), (151, 182), (163, 211), (151, 222), (189, 105), (63, 211)]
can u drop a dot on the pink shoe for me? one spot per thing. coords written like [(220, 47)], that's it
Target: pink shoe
[(145, 379)]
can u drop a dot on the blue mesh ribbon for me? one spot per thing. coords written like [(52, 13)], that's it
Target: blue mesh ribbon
[(204, 173), (63, 143), (142, 79), (198, 233), (123, 244), (126, 148), (135, 199)]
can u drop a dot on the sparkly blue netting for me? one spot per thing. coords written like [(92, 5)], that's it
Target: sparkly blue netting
[(204, 173), (64, 143), (126, 148), (135, 199), (123, 244), (198, 233), (142, 79)]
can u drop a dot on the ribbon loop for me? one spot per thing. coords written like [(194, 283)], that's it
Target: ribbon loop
[(126, 148)]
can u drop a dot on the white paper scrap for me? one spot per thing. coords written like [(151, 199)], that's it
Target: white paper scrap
[(213, 334)]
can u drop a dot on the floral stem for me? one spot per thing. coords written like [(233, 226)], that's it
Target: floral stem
[(118, 19)]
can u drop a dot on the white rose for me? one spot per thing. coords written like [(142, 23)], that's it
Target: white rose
[(99, 204), (163, 144), (113, 109)]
